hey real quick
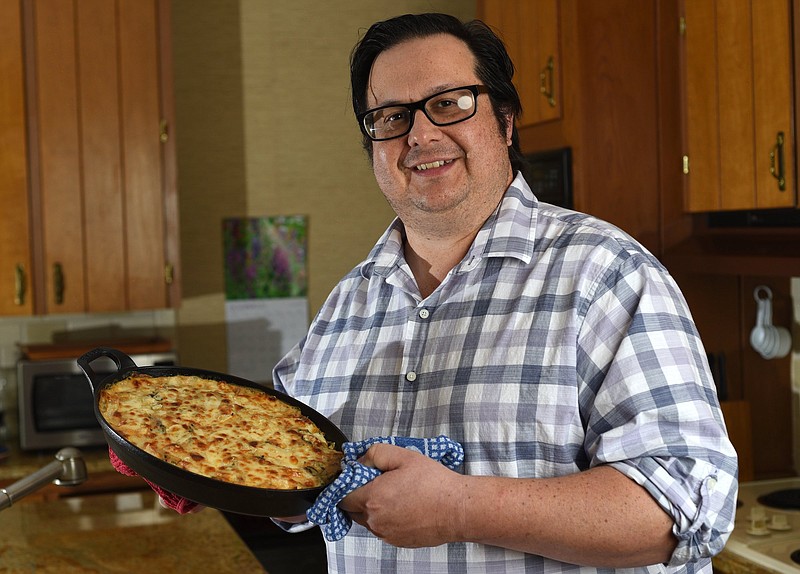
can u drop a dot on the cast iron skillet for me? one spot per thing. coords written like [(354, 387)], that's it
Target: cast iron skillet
[(206, 491)]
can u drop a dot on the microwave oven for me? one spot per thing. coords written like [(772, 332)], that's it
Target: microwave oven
[(56, 401)]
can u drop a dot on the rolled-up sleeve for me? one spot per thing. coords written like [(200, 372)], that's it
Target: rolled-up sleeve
[(699, 497), (652, 408)]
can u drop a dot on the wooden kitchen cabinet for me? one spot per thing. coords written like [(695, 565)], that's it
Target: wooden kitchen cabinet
[(15, 252), (622, 112), (530, 32), (737, 121), (617, 102), (102, 193)]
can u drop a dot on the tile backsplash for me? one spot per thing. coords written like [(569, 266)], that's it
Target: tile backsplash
[(52, 328)]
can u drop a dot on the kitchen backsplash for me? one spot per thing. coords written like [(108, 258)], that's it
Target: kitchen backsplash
[(52, 328)]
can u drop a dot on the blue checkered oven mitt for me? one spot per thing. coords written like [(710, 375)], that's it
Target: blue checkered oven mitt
[(326, 512)]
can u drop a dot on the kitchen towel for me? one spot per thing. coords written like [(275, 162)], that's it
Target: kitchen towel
[(170, 500), (326, 513)]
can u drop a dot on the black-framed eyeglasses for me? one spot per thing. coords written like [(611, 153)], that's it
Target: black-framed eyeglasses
[(442, 109)]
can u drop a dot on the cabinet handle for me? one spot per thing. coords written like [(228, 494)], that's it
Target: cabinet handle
[(776, 156), (19, 285), (58, 283), (163, 132), (546, 82)]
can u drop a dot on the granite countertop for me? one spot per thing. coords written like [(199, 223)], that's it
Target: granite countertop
[(127, 532)]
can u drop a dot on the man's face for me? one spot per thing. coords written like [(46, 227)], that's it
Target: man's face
[(467, 163)]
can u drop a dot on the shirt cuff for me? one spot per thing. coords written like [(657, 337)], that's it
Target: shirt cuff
[(700, 502)]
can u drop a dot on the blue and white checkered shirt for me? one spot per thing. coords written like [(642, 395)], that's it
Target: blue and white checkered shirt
[(557, 344)]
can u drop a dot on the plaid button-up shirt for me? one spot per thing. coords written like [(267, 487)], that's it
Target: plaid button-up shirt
[(557, 344)]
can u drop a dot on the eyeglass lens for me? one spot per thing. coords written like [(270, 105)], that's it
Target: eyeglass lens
[(441, 109)]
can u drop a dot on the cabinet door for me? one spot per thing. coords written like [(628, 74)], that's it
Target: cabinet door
[(101, 189), (15, 254), (530, 32), (142, 154), (101, 133), (737, 89), (58, 169), (772, 73)]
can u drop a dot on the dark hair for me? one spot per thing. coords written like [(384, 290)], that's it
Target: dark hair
[(493, 65)]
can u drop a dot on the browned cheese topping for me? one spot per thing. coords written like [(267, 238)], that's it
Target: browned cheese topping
[(231, 433)]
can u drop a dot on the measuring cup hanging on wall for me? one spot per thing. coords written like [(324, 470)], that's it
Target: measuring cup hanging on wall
[(769, 341)]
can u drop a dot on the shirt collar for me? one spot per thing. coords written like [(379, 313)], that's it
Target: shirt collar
[(508, 232)]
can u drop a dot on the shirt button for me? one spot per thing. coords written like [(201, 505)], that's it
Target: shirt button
[(424, 313), (411, 376)]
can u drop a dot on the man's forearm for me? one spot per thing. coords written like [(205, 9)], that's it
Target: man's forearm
[(599, 517)]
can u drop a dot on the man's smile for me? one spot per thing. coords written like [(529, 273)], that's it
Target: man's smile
[(433, 164)]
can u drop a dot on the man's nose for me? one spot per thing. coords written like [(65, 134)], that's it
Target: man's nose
[(423, 130)]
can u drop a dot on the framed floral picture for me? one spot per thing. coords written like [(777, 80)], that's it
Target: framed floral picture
[(265, 257)]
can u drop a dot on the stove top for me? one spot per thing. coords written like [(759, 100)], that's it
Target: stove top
[(767, 528), (784, 499)]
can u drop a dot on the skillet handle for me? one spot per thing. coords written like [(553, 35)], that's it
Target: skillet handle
[(121, 360)]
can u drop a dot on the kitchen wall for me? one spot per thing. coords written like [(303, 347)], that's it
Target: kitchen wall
[(265, 127)]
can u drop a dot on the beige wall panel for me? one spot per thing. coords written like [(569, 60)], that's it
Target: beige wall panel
[(265, 127)]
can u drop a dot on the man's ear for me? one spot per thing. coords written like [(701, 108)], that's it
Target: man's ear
[(509, 128)]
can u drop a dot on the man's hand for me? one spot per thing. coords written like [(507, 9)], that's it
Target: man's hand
[(416, 502)]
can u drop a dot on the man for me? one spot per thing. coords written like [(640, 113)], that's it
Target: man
[(552, 346)]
